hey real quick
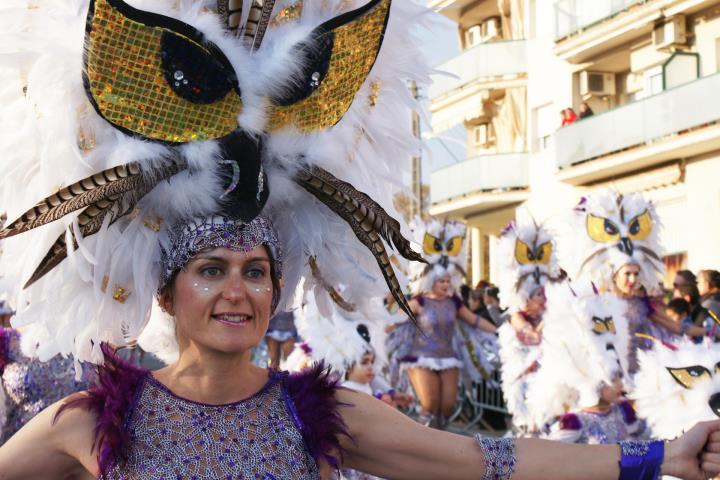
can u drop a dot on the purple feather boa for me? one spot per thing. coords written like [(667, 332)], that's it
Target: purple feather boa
[(111, 399), (315, 407)]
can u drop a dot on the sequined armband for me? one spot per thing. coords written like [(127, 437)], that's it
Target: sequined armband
[(499, 457), (641, 460)]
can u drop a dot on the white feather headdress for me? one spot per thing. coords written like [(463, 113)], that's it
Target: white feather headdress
[(53, 135), (443, 247), (608, 230), (528, 261)]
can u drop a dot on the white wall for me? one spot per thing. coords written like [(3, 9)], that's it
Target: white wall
[(702, 219)]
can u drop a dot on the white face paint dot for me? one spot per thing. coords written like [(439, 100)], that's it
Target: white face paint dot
[(206, 289)]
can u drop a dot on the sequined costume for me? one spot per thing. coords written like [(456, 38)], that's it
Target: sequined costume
[(638, 315), (31, 385), (147, 431), (618, 423), (282, 327), (432, 345)]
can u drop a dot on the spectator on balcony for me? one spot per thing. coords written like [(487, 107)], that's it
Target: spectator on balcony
[(585, 111), (708, 283), (569, 117)]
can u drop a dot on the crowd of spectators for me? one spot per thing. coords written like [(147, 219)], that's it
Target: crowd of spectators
[(695, 300)]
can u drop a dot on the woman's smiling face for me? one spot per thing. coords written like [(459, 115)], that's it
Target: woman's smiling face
[(222, 299)]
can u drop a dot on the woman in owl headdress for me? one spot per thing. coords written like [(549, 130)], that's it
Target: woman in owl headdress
[(577, 392), (204, 148), (529, 264), (613, 240), (432, 354)]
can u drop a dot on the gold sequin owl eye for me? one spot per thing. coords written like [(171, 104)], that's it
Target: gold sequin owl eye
[(689, 376), (337, 59), (156, 77)]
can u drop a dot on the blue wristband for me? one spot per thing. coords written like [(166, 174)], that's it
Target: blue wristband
[(641, 460)]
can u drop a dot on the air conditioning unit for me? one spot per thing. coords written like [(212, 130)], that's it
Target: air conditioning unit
[(473, 36), (491, 29), (481, 136), (597, 83), (670, 33)]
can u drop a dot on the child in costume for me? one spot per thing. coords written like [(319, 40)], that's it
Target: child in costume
[(578, 388), (529, 265)]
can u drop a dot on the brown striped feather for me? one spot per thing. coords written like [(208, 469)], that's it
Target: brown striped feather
[(92, 218), (346, 207), (107, 184)]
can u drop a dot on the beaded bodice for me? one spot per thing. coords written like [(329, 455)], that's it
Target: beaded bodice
[(437, 322), (31, 385), (174, 438)]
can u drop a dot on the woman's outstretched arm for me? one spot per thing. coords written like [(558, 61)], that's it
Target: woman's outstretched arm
[(388, 444), (45, 449)]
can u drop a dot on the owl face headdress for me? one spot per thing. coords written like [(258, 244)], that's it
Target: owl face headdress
[(608, 230), (443, 247), (585, 344), (135, 118), (529, 261), (678, 386)]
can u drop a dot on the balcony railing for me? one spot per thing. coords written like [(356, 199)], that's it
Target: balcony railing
[(480, 174), (490, 59), (681, 108), (574, 15)]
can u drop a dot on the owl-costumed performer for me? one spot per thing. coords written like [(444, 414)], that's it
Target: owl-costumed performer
[(576, 394), (433, 354), (187, 152), (529, 265), (612, 240)]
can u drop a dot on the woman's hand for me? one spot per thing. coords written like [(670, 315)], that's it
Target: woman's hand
[(686, 458)]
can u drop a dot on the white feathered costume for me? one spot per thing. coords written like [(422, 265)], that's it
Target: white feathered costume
[(678, 386), (527, 252), (268, 116), (585, 347)]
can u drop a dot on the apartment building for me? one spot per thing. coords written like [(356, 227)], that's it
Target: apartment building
[(649, 71)]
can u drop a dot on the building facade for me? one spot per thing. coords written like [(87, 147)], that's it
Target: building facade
[(648, 69)]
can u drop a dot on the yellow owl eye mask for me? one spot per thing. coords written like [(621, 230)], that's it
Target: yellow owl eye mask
[(603, 325), (158, 78), (526, 255), (688, 377), (604, 230)]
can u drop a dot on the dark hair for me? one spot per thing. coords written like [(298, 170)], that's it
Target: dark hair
[(689, 291), (493, 292), (679, 306), (687, 276), (712, 277)]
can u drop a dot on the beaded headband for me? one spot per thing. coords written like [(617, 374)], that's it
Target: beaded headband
[(186, 239)]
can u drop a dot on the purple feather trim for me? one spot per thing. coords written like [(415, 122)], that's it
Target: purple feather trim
[(570, 421), (314, 406), (628, 412), (6, 335), (112, 400)]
